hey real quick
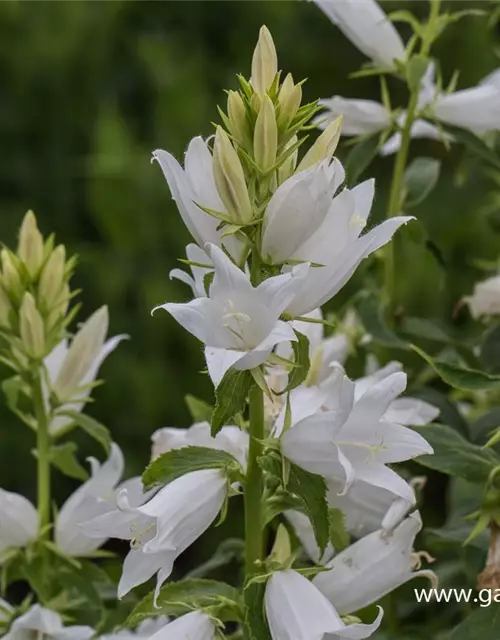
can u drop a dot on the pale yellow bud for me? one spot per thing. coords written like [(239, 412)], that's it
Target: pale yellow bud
[(289, 98), (82, 355), (282, 548), (324, 147), (5, 308), (230, 179), (31, 327), (52, 278), (11, 280), (59, 307), (255, 102), (287, 169), (264, 62), (237, 116), (265, 140), (30, 247)]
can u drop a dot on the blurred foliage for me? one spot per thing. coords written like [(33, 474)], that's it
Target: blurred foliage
[(89, 89)]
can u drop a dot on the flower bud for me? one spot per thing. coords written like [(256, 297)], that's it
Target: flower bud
[(265, 140), (11, 280), (238, 118), (230, 179), (30, 247), (52, 278), (289, 98), (264, 62), (82, 354), (287, 169), (324, 147), (31, 327)]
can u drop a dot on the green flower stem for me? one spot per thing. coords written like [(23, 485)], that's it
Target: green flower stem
[(397, 183), (43, 457), (254, 529)]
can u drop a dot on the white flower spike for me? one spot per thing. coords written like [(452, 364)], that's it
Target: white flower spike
[(297, 610), (39, 622), (367, 27), (239, 324), (372, 567)]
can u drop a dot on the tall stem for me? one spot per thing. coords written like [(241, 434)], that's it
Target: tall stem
[(43, 457), (254, 534), (396, 194)]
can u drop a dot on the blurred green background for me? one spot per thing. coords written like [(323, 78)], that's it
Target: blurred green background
[(89, 89)]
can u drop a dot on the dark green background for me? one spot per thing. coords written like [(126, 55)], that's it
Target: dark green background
[(89, 89)]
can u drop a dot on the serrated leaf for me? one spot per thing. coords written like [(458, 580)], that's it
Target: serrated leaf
[(63, 458), (420, 179), (483, 623), (339, 535), (301, 361), (360, 157), (177, 598), (93, 428), (177, 462), (200, 410), (456, 456), (460, 377), (311, 490), (230, 397), (255, 619)]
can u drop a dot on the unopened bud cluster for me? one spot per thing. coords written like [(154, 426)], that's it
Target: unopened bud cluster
[(34, 294), (264, 121)]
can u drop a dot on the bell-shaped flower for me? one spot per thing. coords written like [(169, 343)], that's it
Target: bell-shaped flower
[(367, 27), (39, 622), (230, 438), (485, 300), (93, 498), (18, 522), (359, 117), (193, 186), (239, 323), (72, 368), (191, 626), (297, 610), (352, 440), (476, 109), (164, 526), (372, 567), (336, 248), (492, 79), (298, 208)]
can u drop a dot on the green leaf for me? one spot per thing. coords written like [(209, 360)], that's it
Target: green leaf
[(230, 396), (475, 144), (481, 624), (177, 598), (311, 490), (360, 157), (460, 377), (456, 456), (420, 179), (255, 619), (229, 550), (200, 410), (177, 462), (93, 428), (63, 458), (301, 360), (425, 328), (482, 428), (490, 350), (339, 535), (415, 71)]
